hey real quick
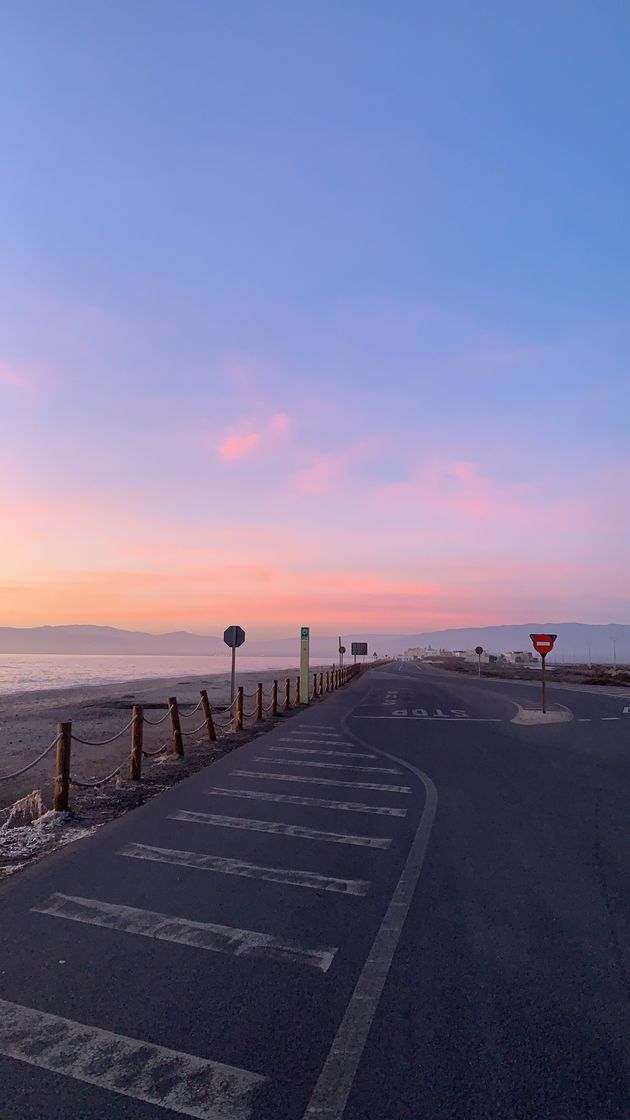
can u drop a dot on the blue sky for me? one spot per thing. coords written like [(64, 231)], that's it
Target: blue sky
[(402, 228)]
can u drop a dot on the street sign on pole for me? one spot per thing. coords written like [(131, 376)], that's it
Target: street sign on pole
[(304, 664), (479, 651), (358, 649), (233, 637), (342, 650), (543, 644)]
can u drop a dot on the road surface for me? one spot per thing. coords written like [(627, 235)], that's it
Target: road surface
[(396, 905)]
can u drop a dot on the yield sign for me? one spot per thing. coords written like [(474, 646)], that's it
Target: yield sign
[(543, 643)]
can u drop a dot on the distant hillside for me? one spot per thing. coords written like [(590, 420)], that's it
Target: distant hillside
[(102, 639), (573, 642), (574, 639)]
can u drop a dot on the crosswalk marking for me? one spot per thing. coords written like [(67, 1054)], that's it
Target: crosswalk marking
[(183, 1083), (198, 935), (331, 754), (318, 742), (328, 765), (199, 861), (315, 802), (320, 781), (277, 828)]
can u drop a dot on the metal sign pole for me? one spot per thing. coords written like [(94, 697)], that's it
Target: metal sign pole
[(233, 685), (544, 684)]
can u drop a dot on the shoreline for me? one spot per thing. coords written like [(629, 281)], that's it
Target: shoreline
[(28, 722)]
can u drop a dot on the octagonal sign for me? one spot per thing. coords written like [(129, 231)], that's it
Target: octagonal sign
[(234, 636)]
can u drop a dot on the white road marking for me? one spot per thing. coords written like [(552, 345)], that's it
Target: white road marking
[(316, 802), (327, 765), (583, 719), (435, 719), (199, 861), (319, 781), (183, 1083), (610, 717), (277, 828), (319, 742), (313, 731), (330, 1096), (331, 754), (198, 935)]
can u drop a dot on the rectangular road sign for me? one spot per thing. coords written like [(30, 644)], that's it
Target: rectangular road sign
[(359, 649)]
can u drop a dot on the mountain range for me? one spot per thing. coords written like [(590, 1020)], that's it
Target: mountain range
[(574, 640)]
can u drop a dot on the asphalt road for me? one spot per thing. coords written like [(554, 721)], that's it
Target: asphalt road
[(396, 905)]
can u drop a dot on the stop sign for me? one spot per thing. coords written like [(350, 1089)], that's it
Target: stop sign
[(234, 636), (543, 643)]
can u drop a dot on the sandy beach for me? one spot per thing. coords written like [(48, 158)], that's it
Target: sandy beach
[(28, 723)]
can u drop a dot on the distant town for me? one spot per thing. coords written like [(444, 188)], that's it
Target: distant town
[(511, 657)]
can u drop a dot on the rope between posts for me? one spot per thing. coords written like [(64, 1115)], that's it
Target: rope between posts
[(103, 742), (187, 714), (101, 781), (160, 750), (202, 727), (16, 773), (156, 722)]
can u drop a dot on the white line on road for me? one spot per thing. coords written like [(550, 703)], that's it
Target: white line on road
[(276, 828), (436, 719), (320, 781), (328, 765), (319, 742), (334, 1084), (331, 754), (610, 717), (170, 1079), (199, 861), (315, 802), (198, 935)]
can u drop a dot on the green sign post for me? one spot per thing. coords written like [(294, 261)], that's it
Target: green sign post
[(304, 664)]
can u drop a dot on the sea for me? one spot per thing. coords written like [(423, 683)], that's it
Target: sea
[(32, 672)]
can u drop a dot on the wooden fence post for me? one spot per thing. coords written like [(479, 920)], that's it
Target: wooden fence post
[(287, 694), (327, 680), (259, 703), (238, 715), (207, 711), (297, 689), (62, 776), (137, 728), (321, 684), (274, 698), (176, 727), (314, 684)]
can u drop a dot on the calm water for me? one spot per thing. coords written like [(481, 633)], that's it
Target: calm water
[(29, 672)]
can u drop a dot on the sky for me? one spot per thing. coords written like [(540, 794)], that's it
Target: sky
[(314, 314)]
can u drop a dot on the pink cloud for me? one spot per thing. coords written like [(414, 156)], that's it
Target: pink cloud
[(320, 477), (238, 445), (280, 424), (8, 376)]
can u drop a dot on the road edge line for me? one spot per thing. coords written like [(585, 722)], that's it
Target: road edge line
[(334, 1084)]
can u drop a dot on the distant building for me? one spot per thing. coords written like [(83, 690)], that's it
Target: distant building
[(520, 657), (420, 653)]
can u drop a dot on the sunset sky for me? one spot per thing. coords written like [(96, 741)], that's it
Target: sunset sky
[(314, 313)]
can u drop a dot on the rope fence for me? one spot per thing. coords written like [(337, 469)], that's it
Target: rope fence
[(226, 719)]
